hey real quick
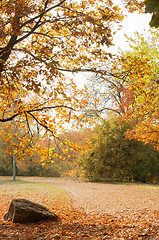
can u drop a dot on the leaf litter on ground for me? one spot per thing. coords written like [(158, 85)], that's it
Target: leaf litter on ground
[(78, 221)]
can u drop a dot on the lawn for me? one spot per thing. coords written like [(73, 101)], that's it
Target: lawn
[(86, 210)]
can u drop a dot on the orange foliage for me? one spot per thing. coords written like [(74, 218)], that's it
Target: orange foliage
[(141, 110), (75, 223), (40, 42)]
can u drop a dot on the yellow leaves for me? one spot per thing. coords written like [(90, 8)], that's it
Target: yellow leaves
[(135, 5), (54, 155), (65, 151), (15, 151), (142, 113), (39, 55)]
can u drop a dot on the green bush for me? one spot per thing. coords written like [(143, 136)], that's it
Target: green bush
[(113, 157)]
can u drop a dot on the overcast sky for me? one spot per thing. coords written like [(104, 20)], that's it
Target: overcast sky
[(133, 22)]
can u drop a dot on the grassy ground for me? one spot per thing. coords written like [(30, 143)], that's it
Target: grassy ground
[(139, 220), (42, 193), (21, 186)]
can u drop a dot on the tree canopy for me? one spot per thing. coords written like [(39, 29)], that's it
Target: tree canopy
[(140, 65), (41, 41), (132, 90)]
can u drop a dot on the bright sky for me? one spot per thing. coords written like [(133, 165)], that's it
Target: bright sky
[(134, 22)]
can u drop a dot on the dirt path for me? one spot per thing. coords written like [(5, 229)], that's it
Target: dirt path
[(109, 198)]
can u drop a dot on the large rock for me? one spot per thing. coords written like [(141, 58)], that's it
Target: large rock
[(23, 211)]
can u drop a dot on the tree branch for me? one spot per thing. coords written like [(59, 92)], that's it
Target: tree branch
[(34, 110), (43, 13), (29, 130), (6, 51)]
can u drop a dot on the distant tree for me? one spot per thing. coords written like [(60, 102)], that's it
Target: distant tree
[(62, 158), (108, 93)]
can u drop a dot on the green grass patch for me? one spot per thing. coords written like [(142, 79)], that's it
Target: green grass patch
[(21, 186)]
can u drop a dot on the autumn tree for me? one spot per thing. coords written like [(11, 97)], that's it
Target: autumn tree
[(131, 90), (41, 42), (113, 157), (141, 65)]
